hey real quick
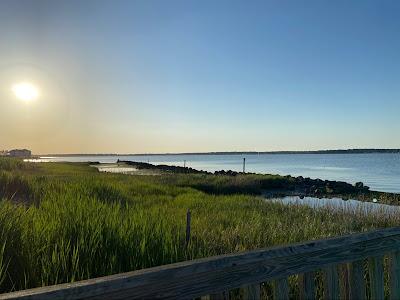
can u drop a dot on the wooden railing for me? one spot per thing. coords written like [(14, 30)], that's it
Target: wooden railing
[(347, 267)]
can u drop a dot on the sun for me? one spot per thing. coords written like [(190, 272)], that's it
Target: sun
[(25, 91)]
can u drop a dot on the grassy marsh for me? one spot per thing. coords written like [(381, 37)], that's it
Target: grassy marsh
[(63, 222)]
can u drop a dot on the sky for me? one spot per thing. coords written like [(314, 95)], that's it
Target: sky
[(196, 76)]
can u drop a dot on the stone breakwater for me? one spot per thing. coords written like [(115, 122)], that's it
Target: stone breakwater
[(286, 185)]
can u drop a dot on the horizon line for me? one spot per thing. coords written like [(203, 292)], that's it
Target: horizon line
[(322, 151)]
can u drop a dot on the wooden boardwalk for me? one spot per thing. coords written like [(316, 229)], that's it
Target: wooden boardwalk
[(349, 267)]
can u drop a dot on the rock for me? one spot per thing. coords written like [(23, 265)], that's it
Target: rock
[(359, 185), (223, 172)]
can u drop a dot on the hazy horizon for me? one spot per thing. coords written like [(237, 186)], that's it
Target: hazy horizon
[(219, 152), (199, 76)]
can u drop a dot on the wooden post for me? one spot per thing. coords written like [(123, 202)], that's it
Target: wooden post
[(307, 286), (357, 283), (281, 289), (376, 277), (188, 219), (344, 281), (184, 163), (394, 271), (244, 164), (331, 283), (219, 296), (252, 292)]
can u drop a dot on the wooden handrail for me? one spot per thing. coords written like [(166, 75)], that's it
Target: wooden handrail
[(190, 279)]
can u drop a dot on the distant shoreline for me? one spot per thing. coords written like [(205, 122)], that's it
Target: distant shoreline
[(344, 151)]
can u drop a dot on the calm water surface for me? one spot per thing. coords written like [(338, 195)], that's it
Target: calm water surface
[(341, 205), (380, 171)]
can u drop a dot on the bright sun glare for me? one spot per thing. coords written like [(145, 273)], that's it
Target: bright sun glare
[(25, 91)]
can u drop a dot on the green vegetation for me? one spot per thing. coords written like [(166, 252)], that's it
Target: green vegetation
[(62, 222)]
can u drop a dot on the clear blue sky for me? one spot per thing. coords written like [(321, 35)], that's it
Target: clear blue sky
[(178, 76)]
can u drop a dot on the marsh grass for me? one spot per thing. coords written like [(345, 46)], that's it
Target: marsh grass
[(13, 164), (76, 223)]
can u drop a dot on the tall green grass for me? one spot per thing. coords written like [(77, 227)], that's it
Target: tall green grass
[(12, 164), (76, 223)]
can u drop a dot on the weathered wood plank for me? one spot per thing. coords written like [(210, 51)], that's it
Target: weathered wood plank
[(394, 273), (357, 282), (192, 279), (307, 286), (331, 283), (375, 267), (281, 289), (252, 292)]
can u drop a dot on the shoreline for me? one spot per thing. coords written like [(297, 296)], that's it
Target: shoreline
[(289, 185)]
